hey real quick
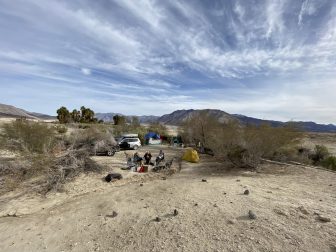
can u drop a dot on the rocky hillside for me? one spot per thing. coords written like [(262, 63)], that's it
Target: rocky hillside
[(179, 116), (9, 111)]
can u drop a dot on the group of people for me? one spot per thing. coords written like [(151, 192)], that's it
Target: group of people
[(147, 158)]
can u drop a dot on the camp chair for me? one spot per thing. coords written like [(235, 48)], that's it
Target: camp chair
[(165, 166)]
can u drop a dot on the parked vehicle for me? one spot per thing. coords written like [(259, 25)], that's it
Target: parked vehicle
[(130, 143), (104, 149)]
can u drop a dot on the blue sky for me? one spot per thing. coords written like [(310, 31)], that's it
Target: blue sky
[(273, 59)]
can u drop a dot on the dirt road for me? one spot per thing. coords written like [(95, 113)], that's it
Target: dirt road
[(210, 216)]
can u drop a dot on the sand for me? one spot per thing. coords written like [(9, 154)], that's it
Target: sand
[(211, 215)]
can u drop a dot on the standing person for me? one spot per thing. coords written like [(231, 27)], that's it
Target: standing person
[(160, 157), (147, 157)]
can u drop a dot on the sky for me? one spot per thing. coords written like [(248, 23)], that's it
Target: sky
[(270, 59)]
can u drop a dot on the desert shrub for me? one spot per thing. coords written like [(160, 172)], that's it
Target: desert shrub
[(329, 163), (61, 129), (244, 146), (67, 167), (28, 136), (91, 138), (320, 153)]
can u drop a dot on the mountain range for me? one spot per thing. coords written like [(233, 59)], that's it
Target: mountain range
[(179, 116), (14, 112), (175, 118)]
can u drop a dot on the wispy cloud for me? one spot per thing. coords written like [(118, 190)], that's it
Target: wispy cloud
[(175, 54)]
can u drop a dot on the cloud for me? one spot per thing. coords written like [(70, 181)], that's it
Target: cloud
[(86, 71), (175, 53)]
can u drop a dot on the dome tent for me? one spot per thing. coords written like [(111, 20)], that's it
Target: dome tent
[(191, 155)]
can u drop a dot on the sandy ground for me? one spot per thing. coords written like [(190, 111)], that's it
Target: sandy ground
[(327, 139), (211, 216)]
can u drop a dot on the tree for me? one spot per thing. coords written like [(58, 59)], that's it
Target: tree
[(63, 115), (87, 115), (119, 120), (135, 121), (75, 115)]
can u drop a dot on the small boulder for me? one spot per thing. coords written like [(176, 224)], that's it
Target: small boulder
[(157, 219), (323, 218), (175, 212), (113, 176), (113, 215), (204, 180), (246, 192), (303, 210), (232, 221), (252, 215)]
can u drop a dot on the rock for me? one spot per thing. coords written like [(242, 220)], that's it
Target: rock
[(238, 180), (113, 215), (141, 184), (246, 192), (252, 215), (232, 221), (164, 178), (225, 193), (196, 204), (323, 218), (215, 205), (157, 219), (303, 210), (175, 212), (204, 180), (330, 185)]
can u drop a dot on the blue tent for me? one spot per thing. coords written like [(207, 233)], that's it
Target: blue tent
[(152, 135)]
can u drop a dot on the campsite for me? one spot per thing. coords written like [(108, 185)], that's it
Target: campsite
[(196, 204), (167, 126)]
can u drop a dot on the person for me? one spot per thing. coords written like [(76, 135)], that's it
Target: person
[(147, 157), (136, 158), (160, 157)]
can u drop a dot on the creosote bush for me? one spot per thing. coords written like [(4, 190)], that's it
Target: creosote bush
[(243, 146), (32, 137), (49, 158)]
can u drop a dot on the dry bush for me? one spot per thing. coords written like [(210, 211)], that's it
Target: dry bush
[(24, 135), (49, 171), (67, 167), (243, 146), (91, 138)]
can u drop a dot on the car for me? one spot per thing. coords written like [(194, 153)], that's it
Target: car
[(104, 149), (130, 143)]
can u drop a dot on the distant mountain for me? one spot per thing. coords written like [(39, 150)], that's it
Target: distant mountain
[(179, 116), (9, 111), (108, 117), (306, 126)]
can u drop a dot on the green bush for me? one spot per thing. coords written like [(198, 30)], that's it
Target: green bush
[(28, 136), (329, 163), (320, 153), (61, 129)]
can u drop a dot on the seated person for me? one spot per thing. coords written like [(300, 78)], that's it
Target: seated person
[(147, 157), (160, 157), (136, 158)]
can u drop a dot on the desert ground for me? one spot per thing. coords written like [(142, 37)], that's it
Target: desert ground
[(136, 213)]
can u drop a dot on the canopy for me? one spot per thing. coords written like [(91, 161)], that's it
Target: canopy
[(191, 155), (152, 135)]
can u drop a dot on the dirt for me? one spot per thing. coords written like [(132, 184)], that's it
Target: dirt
[(92, 215)]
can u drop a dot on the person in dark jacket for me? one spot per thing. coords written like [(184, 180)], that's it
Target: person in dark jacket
[(147, 157), (137, 159), (160, 157)]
